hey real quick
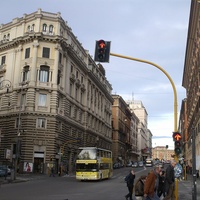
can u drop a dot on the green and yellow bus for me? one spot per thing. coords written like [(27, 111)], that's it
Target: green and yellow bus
[(94, 164)]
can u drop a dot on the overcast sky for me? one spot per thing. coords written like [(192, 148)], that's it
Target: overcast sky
[(153, 30)]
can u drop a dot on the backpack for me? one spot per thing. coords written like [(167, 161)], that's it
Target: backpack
[(126, 179)]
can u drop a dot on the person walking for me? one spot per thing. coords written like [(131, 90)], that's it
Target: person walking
[(139, 187), (161, 184), (52, 172), (151, 185), (130, 183), (169, 181)]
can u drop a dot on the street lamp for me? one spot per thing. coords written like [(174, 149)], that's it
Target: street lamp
[(18, 140), (5, 84)]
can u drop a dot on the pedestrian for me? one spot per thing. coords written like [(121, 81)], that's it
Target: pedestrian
[(169, 181), (52, 172), (161, 184), (151, 185), (130, 184), (139, 187)]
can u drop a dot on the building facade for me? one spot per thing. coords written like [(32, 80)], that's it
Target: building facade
[(162, 153), (124, 134), (144, 134), (190, 112), (53, 98)]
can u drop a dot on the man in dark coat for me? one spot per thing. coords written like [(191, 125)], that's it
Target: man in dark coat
[(161, 185), (130, 184), (169, 181)]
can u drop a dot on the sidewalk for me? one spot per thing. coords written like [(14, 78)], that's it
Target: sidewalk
[(185, 188), (21, 178), (28, 177)]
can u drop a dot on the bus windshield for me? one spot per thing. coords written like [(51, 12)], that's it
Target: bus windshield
[(87, 154)]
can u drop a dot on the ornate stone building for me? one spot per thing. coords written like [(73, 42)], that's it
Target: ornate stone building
[(162, 153), (53, 98), (190, 112), (125, 132)]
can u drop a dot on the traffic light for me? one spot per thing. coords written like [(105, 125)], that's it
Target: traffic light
[(102, 51), (177, 147), (177, 143)]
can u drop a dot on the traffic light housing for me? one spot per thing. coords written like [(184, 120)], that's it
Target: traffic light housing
[(177, 143), (102, 51), (177, 147)]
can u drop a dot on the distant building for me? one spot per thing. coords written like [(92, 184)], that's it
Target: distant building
[(144, 134), (124, 132), (162, 153)]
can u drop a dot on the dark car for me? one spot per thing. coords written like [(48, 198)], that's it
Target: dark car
[(3, 170)]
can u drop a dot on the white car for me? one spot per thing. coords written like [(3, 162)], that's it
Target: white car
[(140, 164)]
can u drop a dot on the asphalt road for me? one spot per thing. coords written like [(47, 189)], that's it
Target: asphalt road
[(68, 188)]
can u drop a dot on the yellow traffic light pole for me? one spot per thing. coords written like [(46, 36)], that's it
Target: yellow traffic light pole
[(175, 99)]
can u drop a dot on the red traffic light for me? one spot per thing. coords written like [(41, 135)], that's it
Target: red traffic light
[(177, 136), (102, 51), (102, 44)]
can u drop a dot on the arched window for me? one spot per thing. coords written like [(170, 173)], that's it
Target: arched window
[(44, 73), (8, 36), (28, 28), (33, 26), (44, 28), (51, 29)]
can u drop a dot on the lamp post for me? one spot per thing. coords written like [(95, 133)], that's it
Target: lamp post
[(5, 84), (18, 140)]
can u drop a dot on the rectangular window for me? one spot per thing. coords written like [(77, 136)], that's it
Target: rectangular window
[(27, 53), (60, 58), (46, 52), (44, 74), (77, 74), (41, 123), (3, 60), (70, 89), (18, 123), (42, 100), (82, 79), (25, 73), (76, 94), (72, 68), (81, 98)]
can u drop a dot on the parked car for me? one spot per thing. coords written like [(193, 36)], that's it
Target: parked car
[(129, 164), (140, 164), (3, 170), (135, 164), (117, 165)]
